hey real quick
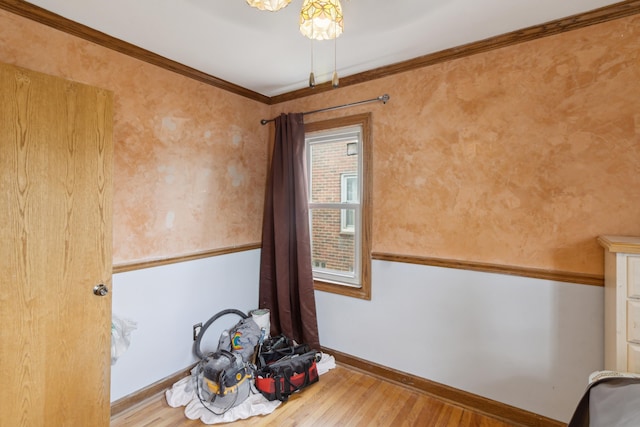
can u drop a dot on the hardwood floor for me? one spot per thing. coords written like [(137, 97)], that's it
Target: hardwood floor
[(343, 397)]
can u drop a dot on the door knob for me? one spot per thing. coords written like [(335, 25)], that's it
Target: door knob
[(100, 290)]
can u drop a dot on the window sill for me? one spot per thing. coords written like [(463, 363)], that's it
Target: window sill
[(348, 291)]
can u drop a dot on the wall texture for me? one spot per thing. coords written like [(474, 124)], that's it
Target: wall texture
[(519, 156), (190, 159)]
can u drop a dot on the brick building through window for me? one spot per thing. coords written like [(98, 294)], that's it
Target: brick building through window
[(334, 180)]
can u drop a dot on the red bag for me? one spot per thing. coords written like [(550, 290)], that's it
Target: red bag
[(282, 378)]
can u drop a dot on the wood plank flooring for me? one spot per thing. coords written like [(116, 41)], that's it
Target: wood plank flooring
[(343, 397)]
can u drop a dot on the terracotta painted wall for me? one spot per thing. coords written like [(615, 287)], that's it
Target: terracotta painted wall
[(187, 172), (520, 156)]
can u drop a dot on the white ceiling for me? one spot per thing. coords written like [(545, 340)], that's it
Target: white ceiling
[(265, 52)]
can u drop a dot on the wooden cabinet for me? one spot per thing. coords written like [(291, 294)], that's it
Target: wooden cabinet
[(621, 303)]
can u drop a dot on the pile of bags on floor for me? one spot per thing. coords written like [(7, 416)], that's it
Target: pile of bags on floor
[(250, 373)]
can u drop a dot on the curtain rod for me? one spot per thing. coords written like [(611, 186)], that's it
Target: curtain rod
[(384, 98)]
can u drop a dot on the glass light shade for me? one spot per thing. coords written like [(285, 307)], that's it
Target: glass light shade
[(270, 5), (321, 19)]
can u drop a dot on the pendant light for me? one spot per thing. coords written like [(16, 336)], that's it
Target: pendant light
[(312, 77), (322, 20), (270, 5), (335, 82), (319, 20)]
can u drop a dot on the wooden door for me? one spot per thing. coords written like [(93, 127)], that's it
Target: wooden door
[(56, 157)]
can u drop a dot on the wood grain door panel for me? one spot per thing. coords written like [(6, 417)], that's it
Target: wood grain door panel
[(56, 157)]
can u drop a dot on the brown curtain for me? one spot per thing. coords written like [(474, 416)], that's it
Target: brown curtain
[(286, 279)]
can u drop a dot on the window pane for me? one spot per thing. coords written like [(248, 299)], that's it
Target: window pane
[(329, 161), (349, 219), (333, 252), (352, 189)]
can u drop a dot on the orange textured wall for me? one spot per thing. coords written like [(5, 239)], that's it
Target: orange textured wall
[(187, 172), (519, 156)]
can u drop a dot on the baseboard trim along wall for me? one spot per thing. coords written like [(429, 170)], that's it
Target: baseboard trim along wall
[(183, 294), (452, 395), (491, 408), (140, 396), (526, 334)]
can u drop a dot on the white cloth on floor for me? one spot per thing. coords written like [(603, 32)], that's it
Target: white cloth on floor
[(183, 393), (326, 363)]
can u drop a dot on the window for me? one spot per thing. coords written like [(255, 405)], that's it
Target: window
[(338, 167), (348, 194)]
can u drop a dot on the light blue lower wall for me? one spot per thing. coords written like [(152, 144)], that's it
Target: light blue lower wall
[(525, 342), (166, 302)]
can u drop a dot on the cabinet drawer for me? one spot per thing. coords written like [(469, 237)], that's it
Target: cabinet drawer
[(633, 321), (633, 358), (633, 276)]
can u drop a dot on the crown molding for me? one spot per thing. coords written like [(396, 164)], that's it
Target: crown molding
[(574, 22), (43, 16)]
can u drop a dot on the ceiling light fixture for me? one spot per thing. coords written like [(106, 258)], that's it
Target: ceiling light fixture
[(319, 20), (322, 20), (270, 5)]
